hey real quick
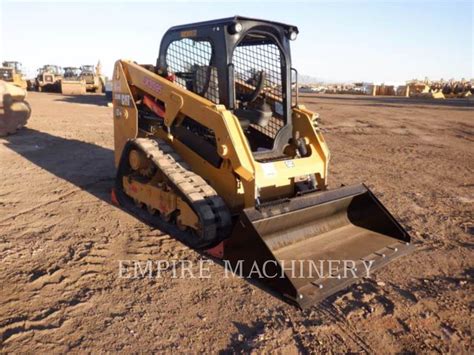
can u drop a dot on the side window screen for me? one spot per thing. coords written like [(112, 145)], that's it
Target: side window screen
[(191, 63), (258, 63), (251, 60)]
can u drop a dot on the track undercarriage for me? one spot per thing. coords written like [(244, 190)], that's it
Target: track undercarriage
[(157, 182)]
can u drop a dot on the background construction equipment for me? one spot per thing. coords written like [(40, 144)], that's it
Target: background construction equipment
[(14, 109), (11, 72), (49, 78), (73, 83), (93, 78)]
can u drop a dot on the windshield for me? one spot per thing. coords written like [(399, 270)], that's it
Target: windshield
[(13, 65), (50, 69), (88, 68), (71, 72)]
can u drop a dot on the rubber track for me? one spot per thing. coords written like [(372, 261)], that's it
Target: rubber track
[(214, 215)]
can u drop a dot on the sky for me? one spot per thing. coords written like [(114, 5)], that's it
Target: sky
[(373, 41)]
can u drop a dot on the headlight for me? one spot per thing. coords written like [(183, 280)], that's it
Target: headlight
[(235, 28), (293, 35)]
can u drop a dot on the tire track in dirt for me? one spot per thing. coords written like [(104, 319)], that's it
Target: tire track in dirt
[(56, 284), (57, 199), (49, 319), (343, 325), (61, 257)]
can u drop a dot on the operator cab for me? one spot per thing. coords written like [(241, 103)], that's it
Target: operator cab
[(72, 72), (87, 69), (13, 65), (242, 63), (50, 69)]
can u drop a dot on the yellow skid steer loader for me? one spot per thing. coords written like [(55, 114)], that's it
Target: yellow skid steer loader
[(212, 147)]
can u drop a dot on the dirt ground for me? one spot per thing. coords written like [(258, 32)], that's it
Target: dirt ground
[(61, 240)]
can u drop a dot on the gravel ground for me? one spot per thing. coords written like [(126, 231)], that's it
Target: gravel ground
[(61, 240)]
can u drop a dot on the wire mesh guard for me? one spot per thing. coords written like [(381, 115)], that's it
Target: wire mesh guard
[(250, 61), (190, 61)]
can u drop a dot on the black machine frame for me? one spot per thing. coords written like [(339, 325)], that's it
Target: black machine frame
[(225, 35)]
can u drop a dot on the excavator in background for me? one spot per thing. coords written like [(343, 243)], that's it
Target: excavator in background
[(11, 72), (213, 147), (73, 83), (49, 78), (14, 109)]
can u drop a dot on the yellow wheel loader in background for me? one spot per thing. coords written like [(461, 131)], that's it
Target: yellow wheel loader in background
[(73, 83), (14, 109), (49, 78), (11, 72), (212, 147)]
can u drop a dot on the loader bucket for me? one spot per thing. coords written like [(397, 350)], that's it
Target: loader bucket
[(73, 87), (316, 244)]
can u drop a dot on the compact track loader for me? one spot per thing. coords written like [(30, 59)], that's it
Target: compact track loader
[(14, 109), (212, 147)]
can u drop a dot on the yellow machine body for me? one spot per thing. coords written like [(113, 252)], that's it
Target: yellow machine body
[(73, 87), (278, 210), (240, 176)]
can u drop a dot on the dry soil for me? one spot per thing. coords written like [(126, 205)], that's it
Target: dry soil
[(61, 240)]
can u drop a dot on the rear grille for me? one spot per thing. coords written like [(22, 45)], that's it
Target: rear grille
[(89, 79), (48, 78)]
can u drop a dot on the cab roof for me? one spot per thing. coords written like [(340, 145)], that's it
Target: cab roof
[(231, 20)]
